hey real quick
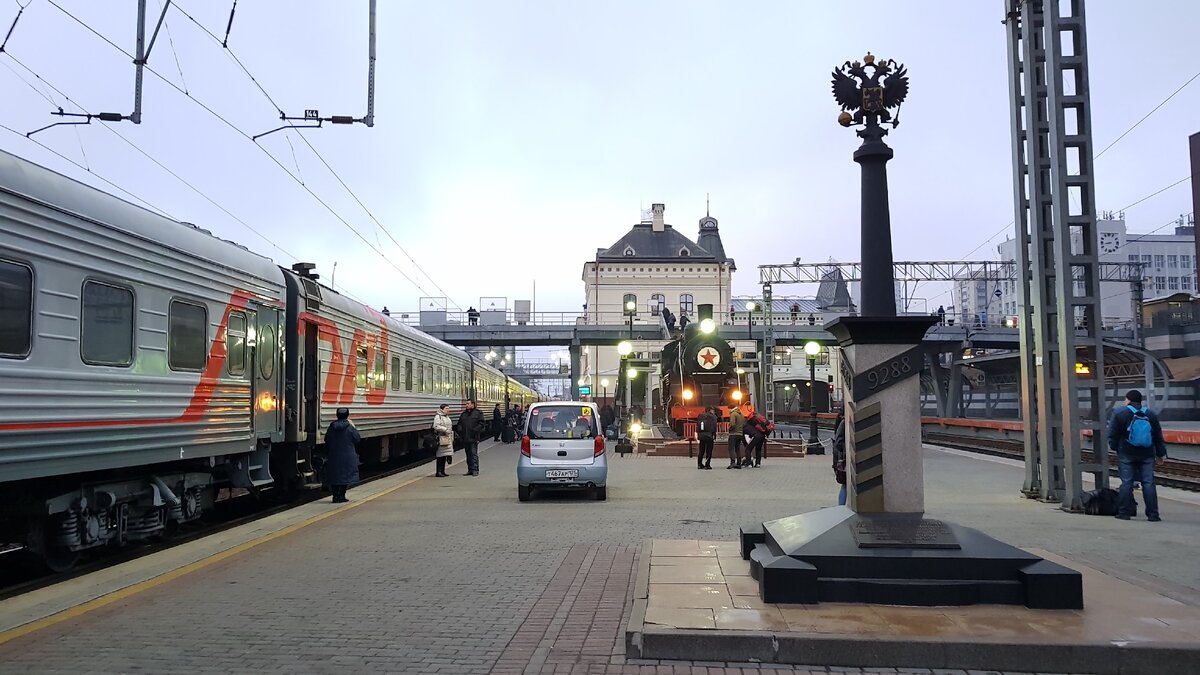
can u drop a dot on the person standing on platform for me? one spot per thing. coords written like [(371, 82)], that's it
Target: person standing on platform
[(607, 417), (341, 463), (1135, 434), (706, 431), (795, 312), (941, 314), (472, 316), (737, 424), (683, 321), (839, 454), (497, 423), (669, 319), (443, 426), (514, 423), (757, 428), (471, 427)]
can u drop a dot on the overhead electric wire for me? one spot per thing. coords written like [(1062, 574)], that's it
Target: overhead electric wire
[(147, 156), (249, 138), (335, 174), (1110, 145)]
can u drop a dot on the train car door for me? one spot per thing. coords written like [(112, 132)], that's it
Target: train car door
[(268, 364), (310, 368)]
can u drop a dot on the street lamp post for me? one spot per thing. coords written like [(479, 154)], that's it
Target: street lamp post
[(604, 390), (624, 349), (812, 349), (750, 320)]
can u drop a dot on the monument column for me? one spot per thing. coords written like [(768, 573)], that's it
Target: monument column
[(881, 548)]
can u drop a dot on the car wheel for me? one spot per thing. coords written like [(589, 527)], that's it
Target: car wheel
[(524, 492), (602, 494)]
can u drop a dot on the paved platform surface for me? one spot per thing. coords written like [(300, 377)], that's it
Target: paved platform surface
[(455, 575), (699, 596)]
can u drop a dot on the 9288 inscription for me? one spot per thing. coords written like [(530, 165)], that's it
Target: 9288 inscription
[(897, 369)]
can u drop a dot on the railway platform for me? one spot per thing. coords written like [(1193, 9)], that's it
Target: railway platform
[(454, 575)]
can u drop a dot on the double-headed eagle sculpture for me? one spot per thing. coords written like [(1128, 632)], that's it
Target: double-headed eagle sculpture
[(868, 98)]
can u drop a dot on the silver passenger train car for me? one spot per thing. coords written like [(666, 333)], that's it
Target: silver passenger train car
[(144, 363)]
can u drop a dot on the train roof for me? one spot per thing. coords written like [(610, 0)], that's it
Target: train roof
[(34, 182)]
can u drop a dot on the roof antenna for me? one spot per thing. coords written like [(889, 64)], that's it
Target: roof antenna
[(707, 213)]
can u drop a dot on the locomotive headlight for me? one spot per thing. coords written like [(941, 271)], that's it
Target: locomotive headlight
[(707, 326), (687, 394)]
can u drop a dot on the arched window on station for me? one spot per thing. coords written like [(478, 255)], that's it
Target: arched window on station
[(657, 302), (687, 304)]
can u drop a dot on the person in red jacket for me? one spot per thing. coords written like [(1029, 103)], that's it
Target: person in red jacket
[(757, 429)]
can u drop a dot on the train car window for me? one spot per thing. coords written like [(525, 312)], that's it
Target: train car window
[(235, 344), (187, 336), (16, 309), (265, 350), (380, 371), (408, 375), (395, 373), (360, 368), (106, 325), (429, 387), (420, 378)]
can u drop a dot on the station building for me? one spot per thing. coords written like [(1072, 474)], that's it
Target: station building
[(660, 267)]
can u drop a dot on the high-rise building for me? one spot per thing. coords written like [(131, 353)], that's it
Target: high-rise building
[(1169, 264)]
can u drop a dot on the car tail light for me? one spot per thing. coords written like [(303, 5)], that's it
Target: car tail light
[(525, 445), (599, 447)]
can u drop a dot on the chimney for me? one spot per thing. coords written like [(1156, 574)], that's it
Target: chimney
[(658, 210)]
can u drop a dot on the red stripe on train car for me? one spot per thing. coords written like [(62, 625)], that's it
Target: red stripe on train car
[(201, 395)]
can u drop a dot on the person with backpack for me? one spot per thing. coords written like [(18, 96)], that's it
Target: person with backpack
[(1134, 433), (706, 432)]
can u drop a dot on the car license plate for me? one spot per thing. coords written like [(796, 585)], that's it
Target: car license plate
[(562, 473)]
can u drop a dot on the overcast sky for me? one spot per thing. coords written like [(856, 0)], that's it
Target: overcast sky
[(514, 138)]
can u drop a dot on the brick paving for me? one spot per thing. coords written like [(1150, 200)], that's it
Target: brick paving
[(456, 576)]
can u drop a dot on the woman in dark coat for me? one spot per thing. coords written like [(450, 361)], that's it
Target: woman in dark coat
[(341, 464), (498, 421)]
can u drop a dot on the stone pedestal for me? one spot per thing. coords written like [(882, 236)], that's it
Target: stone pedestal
[(881, 548), (881, 368)]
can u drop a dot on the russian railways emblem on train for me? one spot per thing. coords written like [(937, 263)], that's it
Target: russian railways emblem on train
[(708, 358)]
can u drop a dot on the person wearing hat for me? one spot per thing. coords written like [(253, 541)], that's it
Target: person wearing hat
[(341, 463), (1134, 433)]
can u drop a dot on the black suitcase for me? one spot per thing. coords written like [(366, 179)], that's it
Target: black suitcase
[(508, 436)]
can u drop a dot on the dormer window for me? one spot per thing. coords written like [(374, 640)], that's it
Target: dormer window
[(629, 251), (683, 253)]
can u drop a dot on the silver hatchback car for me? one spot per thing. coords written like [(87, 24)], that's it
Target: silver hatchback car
[(562, 447)]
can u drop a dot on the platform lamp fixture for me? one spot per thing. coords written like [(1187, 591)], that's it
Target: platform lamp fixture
[(811, 350), (630, 307), (604, 390), (624, 349)]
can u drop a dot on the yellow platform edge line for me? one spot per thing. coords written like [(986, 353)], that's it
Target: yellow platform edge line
[(134, 589)]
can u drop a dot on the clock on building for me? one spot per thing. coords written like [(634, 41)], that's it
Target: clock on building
[(1109, 242)]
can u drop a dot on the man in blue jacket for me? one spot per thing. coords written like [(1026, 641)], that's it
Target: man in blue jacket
[(1135, 434)]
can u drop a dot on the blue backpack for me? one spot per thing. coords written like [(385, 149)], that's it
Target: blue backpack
[(1138, 432)]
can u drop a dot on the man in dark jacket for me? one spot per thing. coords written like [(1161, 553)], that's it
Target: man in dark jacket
[(757, 428), (341, 463), (497, 423), (607, 417), (471, 426), (1135, 434), (839, 454), (706, 431)]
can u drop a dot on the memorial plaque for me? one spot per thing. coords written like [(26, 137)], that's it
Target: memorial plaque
[(903, 533), (893, 371)]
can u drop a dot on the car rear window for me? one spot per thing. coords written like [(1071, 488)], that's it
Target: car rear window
[(562, 421)]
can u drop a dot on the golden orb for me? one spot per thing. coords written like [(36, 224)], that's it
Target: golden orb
[(869, 58), (845, 119)]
